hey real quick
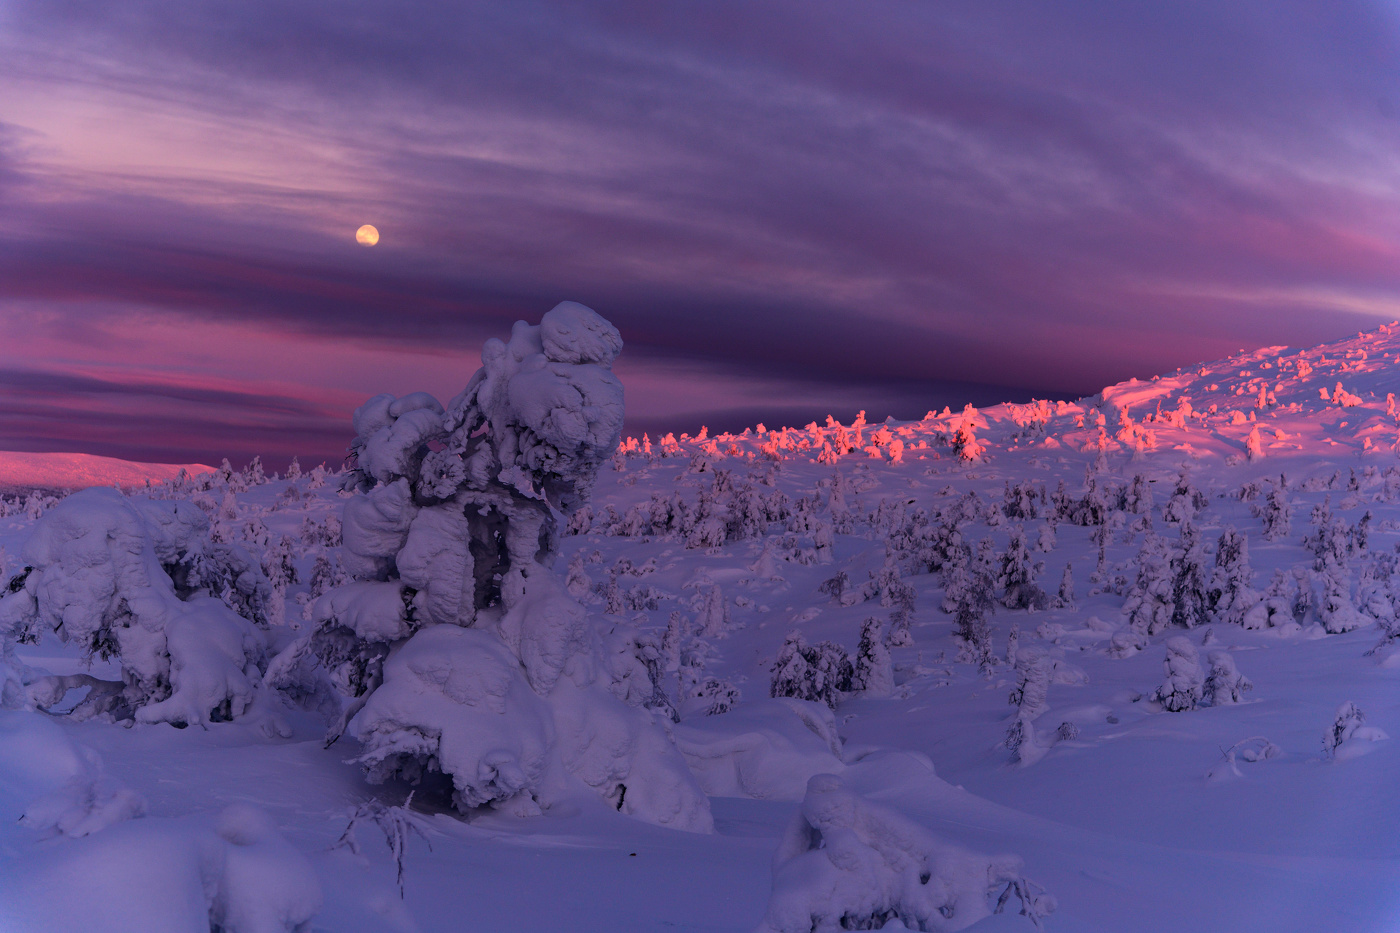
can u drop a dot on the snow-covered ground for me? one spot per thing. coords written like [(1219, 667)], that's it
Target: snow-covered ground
[(1200, 731)]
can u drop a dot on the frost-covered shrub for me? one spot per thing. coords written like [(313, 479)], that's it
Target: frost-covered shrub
[(1182, 690), (129, 579), (1034, 671), (1348, 720), (1125, 644), (874, 669), (460, 650), (847, 863), (820, 673), (1027, 747), (1150, 604), (398, 824), (1225, 684), (1230, 595)]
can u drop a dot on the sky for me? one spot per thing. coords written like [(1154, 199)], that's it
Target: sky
[(787, 209)]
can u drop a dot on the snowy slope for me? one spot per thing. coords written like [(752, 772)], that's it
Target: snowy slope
[(1228, 816), (23, 470)]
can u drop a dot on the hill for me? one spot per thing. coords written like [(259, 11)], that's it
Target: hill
[(24, 470)]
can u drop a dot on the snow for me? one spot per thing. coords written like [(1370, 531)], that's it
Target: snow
[(1196, 738), (848, 863), (22, 470)]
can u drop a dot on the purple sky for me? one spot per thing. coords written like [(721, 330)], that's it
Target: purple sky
[(788, 209)]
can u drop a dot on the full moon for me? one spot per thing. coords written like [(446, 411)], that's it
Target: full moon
[(367, 235)]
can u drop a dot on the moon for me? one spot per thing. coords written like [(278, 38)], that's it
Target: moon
[(367, 235)]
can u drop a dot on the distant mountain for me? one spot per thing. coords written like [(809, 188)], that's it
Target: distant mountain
[(22, 470)]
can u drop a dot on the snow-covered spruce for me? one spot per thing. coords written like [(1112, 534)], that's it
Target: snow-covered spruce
[(131, 579), (1225, 684), (1183, 688), (874, 668), (459, 650), (847, 863), (1348, 737), (820, 673)]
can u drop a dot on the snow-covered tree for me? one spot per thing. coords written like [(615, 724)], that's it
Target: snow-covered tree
[(458, 647), (1138, 497), (1185, 502), (1184, 686), (1064, 597), (713, 613), (965, 443), (1150, 603), (970, 594), (1275, 513), (1017, 575), (140, 581), (1034, 671), (1225, 684), (874, 670), (1189, 597), (820, 673), (1230, 594)]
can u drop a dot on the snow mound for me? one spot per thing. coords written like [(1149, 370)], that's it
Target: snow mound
[(459, 699), (847, 863), (167, 876), (764, 749), (63, 782)]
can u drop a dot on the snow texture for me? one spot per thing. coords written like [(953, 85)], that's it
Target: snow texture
[(98, 582), (847, 863)]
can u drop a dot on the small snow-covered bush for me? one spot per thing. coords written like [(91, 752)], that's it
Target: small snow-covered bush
[(1182, 690), (1348, 735), (1225, 684), (874, 669), (819, 673), (847, 863)]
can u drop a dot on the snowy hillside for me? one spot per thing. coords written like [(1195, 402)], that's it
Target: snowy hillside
[(22, 471), (1125, 664)]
